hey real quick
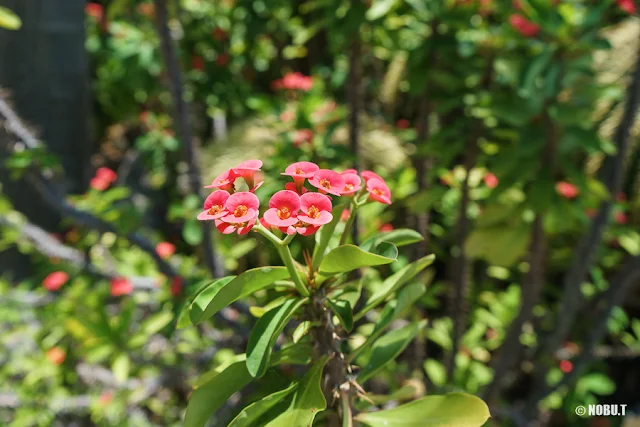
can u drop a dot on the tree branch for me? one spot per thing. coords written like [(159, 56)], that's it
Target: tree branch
[(214, 264)]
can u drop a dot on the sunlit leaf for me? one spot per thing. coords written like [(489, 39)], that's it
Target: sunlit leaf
[(453, 409), (9, 20), (399, 237), (349, 257)]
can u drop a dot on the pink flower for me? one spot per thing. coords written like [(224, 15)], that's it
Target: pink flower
[(165, 249), (302, 136), (294, 81), (55, 280), (367, 175), (567, 190), (351, 184), (56, 355), (120, 286), (523, 25), (301, 228), (283, 209), (224, 181), (214, 206), (379, 191), (345, 215), (241, 207), (349, 171), (316, 209), (94, 10), (628, 6), (299, 172), (403, 124), (105, 398), (621, 218), (328, 181), (247, 171), (386, 227), (98, 184), (491, 180), (287, 116), (566, 366), (241, 228)]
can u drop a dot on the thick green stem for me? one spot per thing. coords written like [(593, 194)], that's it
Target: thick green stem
[(347, 228), (283, 250)]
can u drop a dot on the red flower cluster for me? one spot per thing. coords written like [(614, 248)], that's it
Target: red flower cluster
[(628, 6), (523, 25), (103, 179), (294, 81), (292, 210)]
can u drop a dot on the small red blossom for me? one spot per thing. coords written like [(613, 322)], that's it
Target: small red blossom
[(621, 218), (287, 116), (386, 227), (197, 63), (55, 280), (241, 228), (120, 286), (176, 286), (223, 59), (165, 249), (147, 9), (345, 215), (105, 398), (106, 174), (214, 206), (403, 124), (224, 181), (99, 184), (367, 175), (241, 207), (294, 81), (621, 197), (379, 191), (316, 209), (351, 184), (524, 26), (218, 34), (566, 366), (283, 209), (491, 180), (302, 136), (567, 190), (56, 355), (247, 171), (94, 10), (628, 6), (349, 171), (328, 181)]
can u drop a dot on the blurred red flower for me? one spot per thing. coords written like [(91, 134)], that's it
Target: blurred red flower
[(567, 190), (403, 124), (621, 218), (121, 286), (294, 81), (566, 366), (523, 25), (491, 180), (165, 249), (197, 63), (56, 355), (55, 280), (94, 10), (628, 6)]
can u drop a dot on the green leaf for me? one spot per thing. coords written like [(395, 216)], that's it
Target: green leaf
[(9, 20), (343, 311), (210, 396), (630, 242), (379, 9), (156, 322), (453, 409), (241, 286), (250, 414), (502, 246), (204, 298), (387, 348), (264, 334), (349, 257), (192, 232), (325, 234), (302, 330), (436, 372), (307, 402), (395, 281), (295, 354), (120, 367), (400, 237)]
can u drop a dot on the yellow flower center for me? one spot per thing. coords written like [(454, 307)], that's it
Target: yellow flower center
[(299, 171), (325, 183), (283, 213), (378, 192), (348, 187), (240, 211), (313, 212), (215, 209)]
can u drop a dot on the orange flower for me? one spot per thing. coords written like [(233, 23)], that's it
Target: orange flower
[(56, 355)]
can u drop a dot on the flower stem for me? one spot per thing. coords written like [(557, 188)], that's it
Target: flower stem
[(283, 250), (347, 228)]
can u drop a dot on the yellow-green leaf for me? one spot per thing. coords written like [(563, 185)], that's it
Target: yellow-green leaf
[(9, 20)]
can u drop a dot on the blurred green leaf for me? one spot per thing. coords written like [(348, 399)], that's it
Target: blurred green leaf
[(9, 20), (400, 237)]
